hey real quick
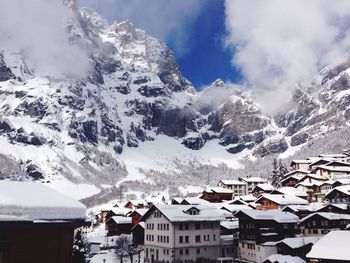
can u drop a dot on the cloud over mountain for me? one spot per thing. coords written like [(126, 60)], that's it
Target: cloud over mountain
[(280, 43)]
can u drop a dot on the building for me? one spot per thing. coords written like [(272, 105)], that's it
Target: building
[(251, 182), (289, 191), (137, 214), (138, 234), (340, 194), (117, 225), (333, 172), (262, 189), (176, 233), (325, 250), (274, 201), (278, 258), (238, 187), (217, 194), (301, 164), (257, 227), (296, 246), (37, 223), (321, 223)]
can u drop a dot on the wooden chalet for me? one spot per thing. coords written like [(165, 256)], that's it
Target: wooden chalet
[(301, 164), (138, 234), (257, 227), (340, 194), (217, 194), (296, 246), (321, 223), (136, 215), (118, 225), (260, 189)]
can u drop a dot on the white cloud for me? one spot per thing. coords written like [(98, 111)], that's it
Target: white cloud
[(37, 28), (280, 43), (167, 20)]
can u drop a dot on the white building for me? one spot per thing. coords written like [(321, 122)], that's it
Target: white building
[(238, 187), (251, 182), (183, 233)]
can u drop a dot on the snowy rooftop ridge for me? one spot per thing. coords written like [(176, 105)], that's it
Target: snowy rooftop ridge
[(320, 250), (35, 201)]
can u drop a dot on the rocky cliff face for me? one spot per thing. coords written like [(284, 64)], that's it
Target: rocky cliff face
[(134, 97)]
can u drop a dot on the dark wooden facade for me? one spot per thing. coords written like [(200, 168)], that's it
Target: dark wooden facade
[(259, 230), (138, 235), (318, 225), (36, 242), (216, 197), (115, 229)]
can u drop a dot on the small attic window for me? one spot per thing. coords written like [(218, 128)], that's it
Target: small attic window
[(192, 211)]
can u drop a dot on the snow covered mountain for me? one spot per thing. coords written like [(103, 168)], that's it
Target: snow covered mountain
[(135, 112)]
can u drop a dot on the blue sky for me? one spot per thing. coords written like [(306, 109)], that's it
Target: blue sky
[(208, 59), (193, 29)]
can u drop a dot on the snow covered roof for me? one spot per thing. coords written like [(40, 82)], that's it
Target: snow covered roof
[(283, 199), (123, 211), (276, 215), (345, 189), (278, 258), (155, 199), (326, 215), (120, 219), (218, 190), (264, 187), (289, 191), (296, 171), (177, 213), (234, 224), (194, 201), (234, 208), (37, 202), (313, 176), (333, 155), (247, 198), (254, 179), (296, 242), (141, 211), (232, 182), (343, 180), (345, 169), (302, 161), (321, 249)]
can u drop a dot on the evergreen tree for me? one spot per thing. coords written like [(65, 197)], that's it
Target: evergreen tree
[(79, 248), (282, 169), (275, 173)]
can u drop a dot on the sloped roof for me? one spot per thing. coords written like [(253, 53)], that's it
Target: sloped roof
[(289, 191), (278, 258), (177, 213), (321, 249), (120, 219), (283, 199), (218, 190), (265, 187), (232, 182), (329, 216), (37, 202), (296, 242), (254, 179), (276, 215), (345, 189)]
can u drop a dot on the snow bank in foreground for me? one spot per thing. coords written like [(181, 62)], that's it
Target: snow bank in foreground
[(35, 201)]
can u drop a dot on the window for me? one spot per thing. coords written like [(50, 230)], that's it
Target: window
[(181, 226), (167, 239), (214, 237), (167, 226), (198, 250), (146, 252), (315, 231), (187, 239), (181, 239), (181, 252), (187, 251), (197, 226), (198, 239), (186, 226)]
